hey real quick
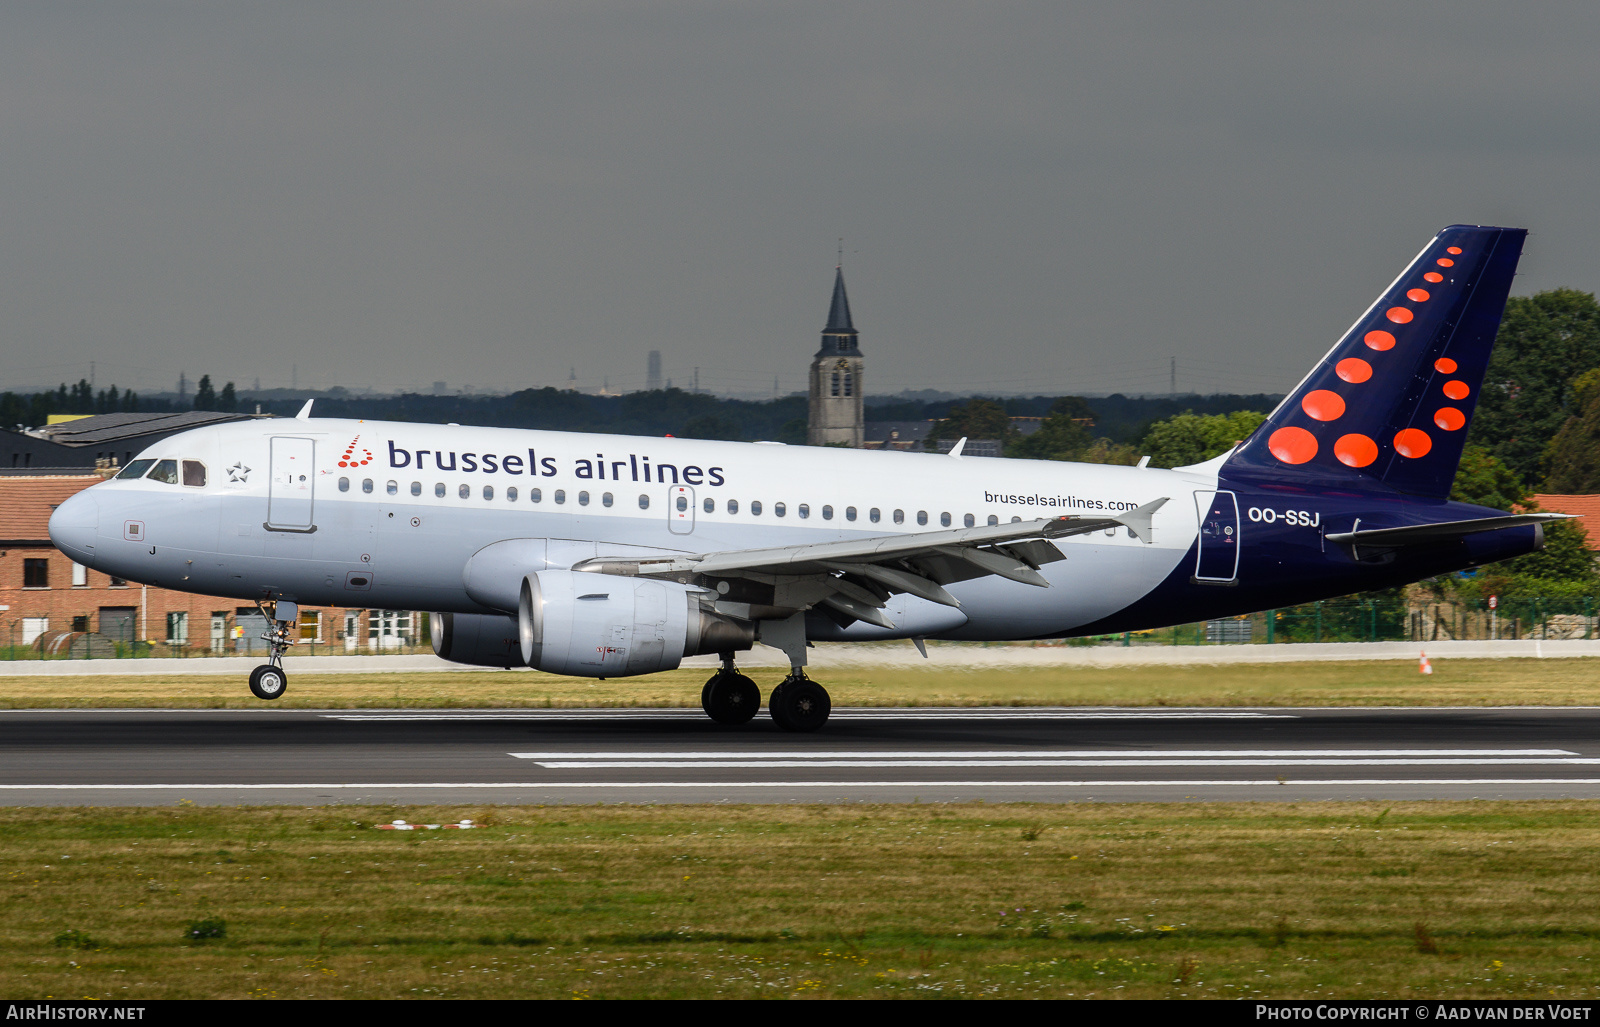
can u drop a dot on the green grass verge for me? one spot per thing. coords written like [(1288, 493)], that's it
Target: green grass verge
[(1460, 899), (1554, 682)]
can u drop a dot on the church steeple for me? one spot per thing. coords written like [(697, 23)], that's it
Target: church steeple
[(837, 415), (840, 336)]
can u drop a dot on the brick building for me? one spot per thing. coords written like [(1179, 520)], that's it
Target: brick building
[(43, 591)]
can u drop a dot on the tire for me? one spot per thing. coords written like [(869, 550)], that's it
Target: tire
[(733, 699), (801, 705), (268, 682), (705, 694)]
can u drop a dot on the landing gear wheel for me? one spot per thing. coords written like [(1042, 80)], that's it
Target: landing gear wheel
[(800, 704), (268, 682), (732, 698), (705, 693)]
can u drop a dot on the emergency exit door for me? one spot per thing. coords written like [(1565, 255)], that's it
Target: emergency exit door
[(291, 485), (680, 509)]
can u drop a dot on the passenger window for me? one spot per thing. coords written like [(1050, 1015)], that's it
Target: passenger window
[(1016, 520), (755, 508), (464, 491), (804, 510), (683, 504), (583, 499), (535, 495), (993, 520), (136, 469), (605, 500), (561, 496), (393, 488), (969, 520), (165, 472), (488, 492), (416, 488), (511, 494), (194, 474), (366, 485), (873, 515), (827, 513), (944, 519), (899, 516), (344, 484), (849, 513), (438, 490), (733, 506), (644, 501), (779, 509), (710, 505), (922, 517)]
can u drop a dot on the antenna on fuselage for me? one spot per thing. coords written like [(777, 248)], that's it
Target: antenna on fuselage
[(305, 411)]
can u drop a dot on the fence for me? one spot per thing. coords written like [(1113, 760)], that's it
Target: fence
[(118, 641), (1380, 620)]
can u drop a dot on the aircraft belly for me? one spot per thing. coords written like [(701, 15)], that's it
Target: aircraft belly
[(1094, 581)]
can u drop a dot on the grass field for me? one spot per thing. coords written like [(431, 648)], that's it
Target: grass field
[(1199, 900), (1556, 682)]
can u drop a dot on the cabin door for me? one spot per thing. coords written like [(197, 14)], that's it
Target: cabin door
[(289, 494), (1218, 559)]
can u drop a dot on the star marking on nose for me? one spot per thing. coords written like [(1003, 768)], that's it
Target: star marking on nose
[(239, 472)]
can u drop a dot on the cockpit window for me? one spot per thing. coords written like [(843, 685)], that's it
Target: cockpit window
[(166, 471), (194, 474), (136, 469)]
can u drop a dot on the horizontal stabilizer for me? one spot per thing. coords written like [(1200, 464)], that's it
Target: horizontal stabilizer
[(1424, 534)]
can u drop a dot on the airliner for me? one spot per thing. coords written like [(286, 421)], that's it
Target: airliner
[(613, 556)]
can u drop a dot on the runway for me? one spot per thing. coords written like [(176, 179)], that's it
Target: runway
[(311, 757)]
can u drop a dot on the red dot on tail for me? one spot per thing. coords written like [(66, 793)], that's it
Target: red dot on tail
[(1450, 419), (1323, 405), (1445, 262), (1379, 340), (1292, 445), (1417, 295), (1355, 450), (1454, 249), (1412, 443), (1433, 276), (1353, 370), (1457, 390), (1445, 365), (1399, 315)]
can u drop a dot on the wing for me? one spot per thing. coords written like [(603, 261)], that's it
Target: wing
[(853, 580)]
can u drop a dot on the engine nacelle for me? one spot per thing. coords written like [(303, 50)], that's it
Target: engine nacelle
[(483, 640), (608, 625)]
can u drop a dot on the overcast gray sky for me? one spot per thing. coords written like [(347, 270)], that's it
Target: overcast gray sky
[(1046, 197)]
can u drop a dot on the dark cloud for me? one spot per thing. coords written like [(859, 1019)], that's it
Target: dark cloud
[(1047, 196)]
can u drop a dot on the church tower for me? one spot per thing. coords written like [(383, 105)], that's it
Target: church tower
[(836, 414)]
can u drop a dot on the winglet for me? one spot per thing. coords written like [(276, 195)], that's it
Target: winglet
[(1138, 521), (956, 449), (305, 411)]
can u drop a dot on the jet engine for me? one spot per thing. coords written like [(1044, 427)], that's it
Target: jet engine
[(484, 640), (609, 625)]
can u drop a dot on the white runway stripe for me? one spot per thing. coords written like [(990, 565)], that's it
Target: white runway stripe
[(995, 754), (964, 764), (849, 715), (732, 785)]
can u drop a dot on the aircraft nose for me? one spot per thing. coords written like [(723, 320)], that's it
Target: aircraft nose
[(74, 525)]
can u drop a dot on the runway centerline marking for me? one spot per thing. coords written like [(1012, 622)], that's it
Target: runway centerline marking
[(848, 715), (995, 754), (555, 786)]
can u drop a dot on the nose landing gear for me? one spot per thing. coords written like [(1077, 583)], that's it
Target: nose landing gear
[(269, 681)]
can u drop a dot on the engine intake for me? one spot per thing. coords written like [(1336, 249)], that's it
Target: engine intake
[(607, 625)]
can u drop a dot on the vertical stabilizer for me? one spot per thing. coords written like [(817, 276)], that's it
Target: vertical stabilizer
[(1392, 401)]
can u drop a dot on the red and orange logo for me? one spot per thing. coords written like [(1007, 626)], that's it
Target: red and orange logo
[(349, 460)]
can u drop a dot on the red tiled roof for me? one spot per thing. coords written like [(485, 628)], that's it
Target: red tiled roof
[(26, 503), (1587, 507)]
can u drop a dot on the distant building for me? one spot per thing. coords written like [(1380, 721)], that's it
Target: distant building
[(836, 412), (1587, 508), (906, 436), (652, 377)]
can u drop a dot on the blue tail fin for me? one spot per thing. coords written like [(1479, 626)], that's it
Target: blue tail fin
[(1392, 401)]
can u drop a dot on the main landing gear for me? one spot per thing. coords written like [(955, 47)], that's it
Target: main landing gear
[(797, 703), (269, 681)]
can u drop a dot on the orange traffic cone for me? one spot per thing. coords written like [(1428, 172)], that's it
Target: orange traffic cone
[(1425, 667)]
